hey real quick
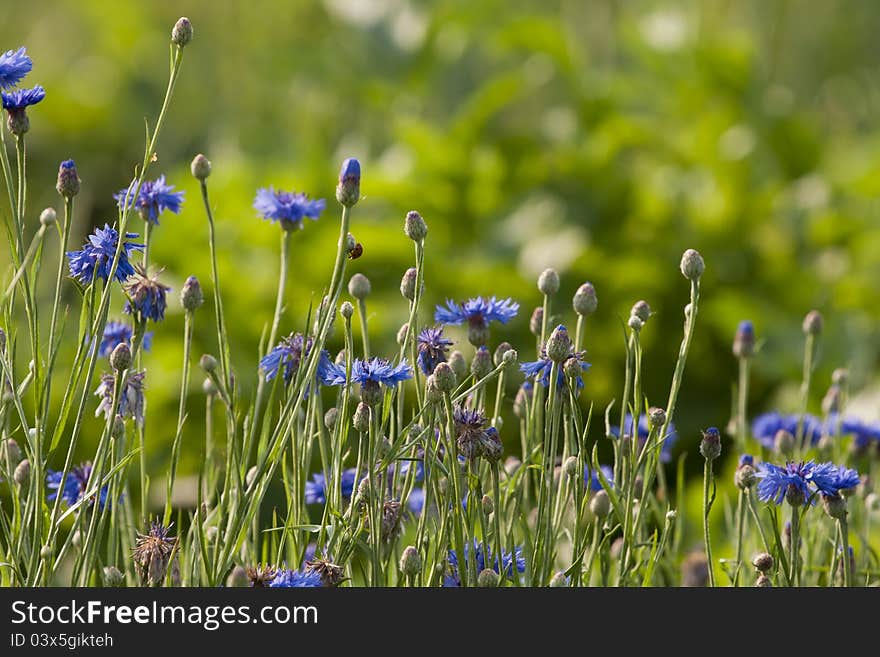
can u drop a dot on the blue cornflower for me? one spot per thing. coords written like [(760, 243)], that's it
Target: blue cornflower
[(316, 489), (539, 370), (146, 295), (862, 432), (483, 557), (798, 481), (477, 311), (416, 501), (74, 485), (644, 431), (96, 256), (766, 426), (14, 65), (131, 402), (843, 479), (115, 333), (290, 579), (432, 348), (21, 99), (591, 478), (379, 370), (155, 197), (287, 207), (289, 353)]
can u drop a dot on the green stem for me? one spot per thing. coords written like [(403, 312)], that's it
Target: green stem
[(707, 480), (181, 412), (365, 334)]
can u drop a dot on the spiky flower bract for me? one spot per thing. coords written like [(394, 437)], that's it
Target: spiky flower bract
[(95, 259), (432, 347), (146, 295), (477, 310), (287, 356), (154, 197), (14, 65), (74, 485), (152, 554), (115, 333), (290, 208)]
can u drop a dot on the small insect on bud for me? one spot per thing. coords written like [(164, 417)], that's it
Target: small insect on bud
[(481, 365), (191, 296), (238, 578), (656, 417), (558, 581), (710, 445), (692, 265), (585, 301), (359, 287), (22, 472), (120, 357), (182, 32), (813, 323), (330, 417), (744, 340), (600, 504), (68, 179), (498, 356), (208, 363), (408, 284), (402, 334), (548, 282), (559, 344), (487, 505), (361, 419), (834, 505), (642, 310), (445, 377), (348, 191), (536, 321), (783, 441), (458, 364), (570, 466), (346, 310), (487, 579), (48, 217), (410, 561), (112, 577), (200, 167), (763, 562), (415, 227), (763, 582)]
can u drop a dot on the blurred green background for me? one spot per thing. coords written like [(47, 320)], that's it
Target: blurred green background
[(601, 138)]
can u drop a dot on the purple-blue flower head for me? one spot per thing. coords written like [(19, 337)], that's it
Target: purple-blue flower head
[(591, 477), (766, 426), (155, 197), (287, 356), (316, 489), (795, 479), (432, 347), (290, 208), (540, 369), (95, 259), (379, 370), (146, 295), (14, 65), (74, 485), (115, 333), (477, 311), (416, 501), (21, 99), (295, 579), (863, 433), (510, 562), (131, 402)]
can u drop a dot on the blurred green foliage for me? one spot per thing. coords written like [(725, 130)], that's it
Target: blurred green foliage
[(601, 138)]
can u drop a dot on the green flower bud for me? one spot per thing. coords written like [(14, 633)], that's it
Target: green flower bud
[(548, 282), (410, 562), (585, 301), (48, 217), (200, 167), (692, 265), (415, 227), (182, 33), (359, 287)]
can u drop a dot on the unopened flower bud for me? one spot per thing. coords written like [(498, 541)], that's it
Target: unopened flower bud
[(330, 417), (642, 310), (191, 296), (510, 357), (182, 32), (548, 282), (487, 578), (22, 472), (348, 191), (359, 286), (120, 357), (408, 284), (402, 333), (361, 419), (46, 552), (500, 350), (48, 217), (635, 323), (656, 417), (208, 363), (209, 387), (433, 394), (572, 368), (831, 400), (487, 505), (813, 323), (68, 179), (10, 454), (118, 428), (710, 445), (521, 402), (371, 393), (200, 167), (784, 442), (585, 301), (744, 340), (763, 582), (570, 466), (238, 578), (445, 377), (763, 562), (481, 365), (692, 265), (112, 577), (840, 376), (834, 505), (559, 344), (600, 504), (536, 321), (346, 310), (558, 580), (410, 561), (414, 226)]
